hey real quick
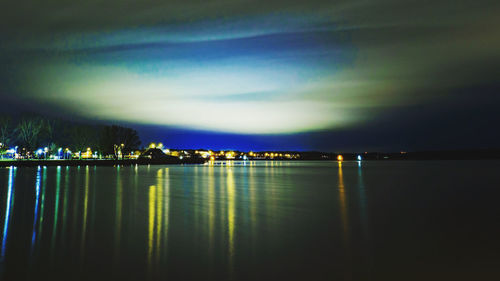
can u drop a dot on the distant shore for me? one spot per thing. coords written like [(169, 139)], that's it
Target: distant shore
[(98, 162), (482, 154)]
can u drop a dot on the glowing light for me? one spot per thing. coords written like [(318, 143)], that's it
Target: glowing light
[(230, 155), (87, 154), (359, 157), (340, 158)]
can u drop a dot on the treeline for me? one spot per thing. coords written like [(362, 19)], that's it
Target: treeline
[(30, 133)]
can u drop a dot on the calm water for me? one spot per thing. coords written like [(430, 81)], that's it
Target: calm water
[(436, 220)]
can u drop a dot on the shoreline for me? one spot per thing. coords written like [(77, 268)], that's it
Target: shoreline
[(132, 162), (98, 162)]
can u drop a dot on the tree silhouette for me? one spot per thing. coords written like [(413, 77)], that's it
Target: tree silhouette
[(5, 130), (28, 132), (5, 133), (82, 137), (115, 139)]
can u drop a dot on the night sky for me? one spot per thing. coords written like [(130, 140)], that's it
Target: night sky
[(254, 75)]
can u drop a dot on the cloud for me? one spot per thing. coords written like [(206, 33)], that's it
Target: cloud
[(238, 99), (249, 67)]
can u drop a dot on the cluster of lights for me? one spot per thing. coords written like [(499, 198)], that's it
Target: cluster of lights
[(156, 145), (206, 154), (222, 154), (341, 158), (59, 154)]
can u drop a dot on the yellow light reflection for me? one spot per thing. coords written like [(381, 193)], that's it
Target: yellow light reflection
[(152, 202), (158, 215), (343, 207), (166, 207), (230, 215), (158, 218), (197, 200), (65, 205), (253, 203), (85, 212), (211, 208), (345, 223)]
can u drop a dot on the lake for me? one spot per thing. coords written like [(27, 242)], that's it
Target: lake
[(258, 220)]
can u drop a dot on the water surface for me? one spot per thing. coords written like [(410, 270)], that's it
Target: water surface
[(427, 220)]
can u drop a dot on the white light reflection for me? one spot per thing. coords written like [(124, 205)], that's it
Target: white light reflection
[(37, 200), (8, 206)]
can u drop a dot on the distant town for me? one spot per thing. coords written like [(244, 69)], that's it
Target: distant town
[(42, 139)]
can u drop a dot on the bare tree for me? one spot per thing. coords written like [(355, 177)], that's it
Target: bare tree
[(28, 131), (5, 134), (82, 137), (5, 130)]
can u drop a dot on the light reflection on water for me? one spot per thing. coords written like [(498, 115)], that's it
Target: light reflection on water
[(7, 213), (239, 221), (230, 217), (37, 201), (343, 207)]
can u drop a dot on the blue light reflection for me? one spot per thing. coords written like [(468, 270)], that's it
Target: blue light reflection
[(8, 208)]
